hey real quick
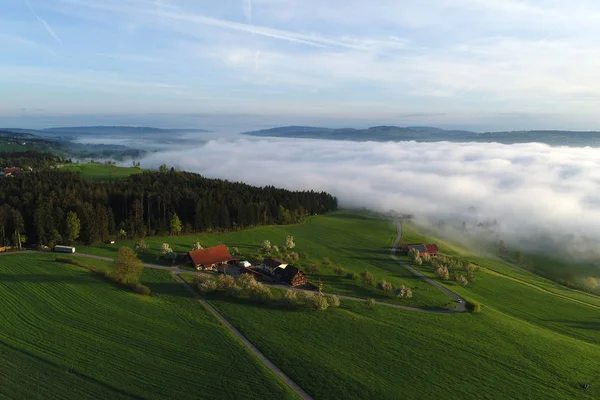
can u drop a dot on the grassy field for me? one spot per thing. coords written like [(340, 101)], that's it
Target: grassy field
[(101, 171), (383, 353), (354, 241), (66, 334)]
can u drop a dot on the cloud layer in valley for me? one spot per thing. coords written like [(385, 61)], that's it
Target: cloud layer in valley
[(528, 188)]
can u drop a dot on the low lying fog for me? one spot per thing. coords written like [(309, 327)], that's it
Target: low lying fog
[(528, 188)]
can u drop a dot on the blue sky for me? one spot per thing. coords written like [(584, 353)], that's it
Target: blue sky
[(442, 62)]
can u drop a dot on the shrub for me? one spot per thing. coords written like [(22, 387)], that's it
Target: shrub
[(207, 286), (289, 242), (385, 286), (419, 261), (461, 280), (201, 278), (290, 296), (326, 261), (141, 289), (339, 270), (334, 301), (408, 293), (442, 273), (473, 305), (293, 257), (413, 255), (306, 297), (275, 249), (235, 251), (266, 247), (320, 303), (371, 303), (140, 246), (352, 275), (246, 281), (304, 255), (197, 246), (312, 268), (261, 293), (367, 278), (426, 258), (227, 283)]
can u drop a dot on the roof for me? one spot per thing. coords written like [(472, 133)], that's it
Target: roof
[(420, 247), (250, 271), (11, 170), (432, 248), (286, 274), (273, 262), (212, 255)]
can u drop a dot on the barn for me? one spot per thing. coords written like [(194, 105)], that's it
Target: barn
[(290, 275), (211, 258), (269, 264), (432, 249)]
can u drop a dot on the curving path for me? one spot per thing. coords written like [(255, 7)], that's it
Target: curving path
[(460, 306)]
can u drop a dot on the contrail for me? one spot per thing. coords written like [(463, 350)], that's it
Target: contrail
[(46, 25)]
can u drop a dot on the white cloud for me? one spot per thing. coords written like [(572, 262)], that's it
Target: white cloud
[(526, 187)]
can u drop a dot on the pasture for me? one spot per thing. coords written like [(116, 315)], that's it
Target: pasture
[(66, 334), (98, 172), (355, 241)]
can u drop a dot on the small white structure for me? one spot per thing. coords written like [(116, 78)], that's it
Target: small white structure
[(64, 249), (245, 264)]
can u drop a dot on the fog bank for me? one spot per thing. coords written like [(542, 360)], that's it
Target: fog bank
[(526, 187)]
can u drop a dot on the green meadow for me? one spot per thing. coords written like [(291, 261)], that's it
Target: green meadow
[(100, 172), (65, 333)]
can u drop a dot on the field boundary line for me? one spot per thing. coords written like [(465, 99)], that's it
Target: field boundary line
[(268, 363)]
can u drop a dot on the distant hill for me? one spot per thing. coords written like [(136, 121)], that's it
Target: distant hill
[(115, 130), (430, 134)]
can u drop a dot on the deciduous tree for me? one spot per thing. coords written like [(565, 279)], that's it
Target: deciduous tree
[(128, 268)]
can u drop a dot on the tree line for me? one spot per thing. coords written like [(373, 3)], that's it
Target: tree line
[(51, 206), (30, 158)]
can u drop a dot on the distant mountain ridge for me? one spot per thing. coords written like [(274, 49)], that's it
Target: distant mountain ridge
[(430, 134)]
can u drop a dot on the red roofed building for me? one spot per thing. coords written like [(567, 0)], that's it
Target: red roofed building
[(432, 249), (11, 171), (211, 258)]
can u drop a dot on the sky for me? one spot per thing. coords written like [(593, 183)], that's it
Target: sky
[(480, 64)]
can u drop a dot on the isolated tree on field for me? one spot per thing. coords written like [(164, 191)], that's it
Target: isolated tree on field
[(73, 226), (197, 246), (266, 247), (519, 256), (591, 282), (443, 273), (502, 250), (419, 261), (226, 283), (426, 258), (462, 280), (371, 303), (275, 249), (165, 250), (289, 242), (176, 226), (128, 268), (408, 293), (140, 246), (414, 255), (339, 270), (385, 286), (367, 278)]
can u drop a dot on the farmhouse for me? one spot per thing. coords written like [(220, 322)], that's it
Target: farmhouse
[(11, 171), (424, 249), (432, 250), (269, 264), (211, 258), (290, 275)]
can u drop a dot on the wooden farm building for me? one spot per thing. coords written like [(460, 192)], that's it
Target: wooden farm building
[(290, 275), (424, 249), (212, 258), (246, 270), (269, 264)]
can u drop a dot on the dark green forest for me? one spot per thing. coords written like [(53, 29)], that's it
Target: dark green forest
[(47, 207)]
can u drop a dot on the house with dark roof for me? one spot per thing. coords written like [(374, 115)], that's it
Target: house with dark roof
[(421, 247), (290, 275), (269, 264), (211, 258)]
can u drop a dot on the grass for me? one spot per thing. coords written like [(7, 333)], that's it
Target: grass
[(383, 353), (68, 334), (354, 240), (101, 171)]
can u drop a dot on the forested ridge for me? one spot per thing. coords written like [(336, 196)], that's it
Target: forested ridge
[(51, 206)]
